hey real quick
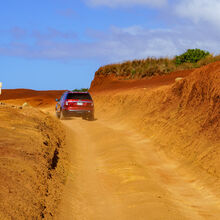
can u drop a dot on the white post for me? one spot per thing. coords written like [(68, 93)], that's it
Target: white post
[(0, 88)]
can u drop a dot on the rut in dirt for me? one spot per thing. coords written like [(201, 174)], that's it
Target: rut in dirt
[(115, 173)]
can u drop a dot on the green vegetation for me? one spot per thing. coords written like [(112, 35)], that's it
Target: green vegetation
[(152, 66), (191, 56), (81, 90)]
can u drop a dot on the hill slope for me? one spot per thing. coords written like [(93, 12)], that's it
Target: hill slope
[(31, 176), (183, 118), (33, 97)]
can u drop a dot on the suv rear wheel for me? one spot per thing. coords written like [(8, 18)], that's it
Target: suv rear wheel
[(91, 117), (61, 115), (57, 115), (84, 117)]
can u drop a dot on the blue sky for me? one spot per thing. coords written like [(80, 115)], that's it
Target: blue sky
[(59, 44)]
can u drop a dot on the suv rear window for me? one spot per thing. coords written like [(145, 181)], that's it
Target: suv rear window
[(79, 96)]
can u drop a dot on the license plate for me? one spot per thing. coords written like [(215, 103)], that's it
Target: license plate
[(79, 103)]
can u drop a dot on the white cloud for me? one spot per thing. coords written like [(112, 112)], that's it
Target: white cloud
[(126, 3), (119, 44), (52, 33), (200, 10)]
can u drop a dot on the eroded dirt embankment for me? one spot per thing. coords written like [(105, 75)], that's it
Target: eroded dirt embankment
[(112, 82), (32, 173), (182, 118)]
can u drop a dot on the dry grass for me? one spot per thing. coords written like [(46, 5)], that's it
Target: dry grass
[(151, 67)]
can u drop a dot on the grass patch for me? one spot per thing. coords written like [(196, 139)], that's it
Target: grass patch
[(81, 90), (152, 67)]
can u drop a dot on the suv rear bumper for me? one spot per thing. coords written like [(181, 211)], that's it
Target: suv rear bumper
[(70, 113)]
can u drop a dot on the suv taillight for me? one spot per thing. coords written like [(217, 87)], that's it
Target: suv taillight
[(89, 104)]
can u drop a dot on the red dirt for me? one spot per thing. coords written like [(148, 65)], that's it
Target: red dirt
[(183, 118), (32, 97), (28, 93), (115, 168), (111, 82), (30, 182)]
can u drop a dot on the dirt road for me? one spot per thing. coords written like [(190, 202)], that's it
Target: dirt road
[(116, 173)]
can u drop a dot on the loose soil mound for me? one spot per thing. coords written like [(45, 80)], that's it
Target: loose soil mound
[(31, 174), (182, 118)]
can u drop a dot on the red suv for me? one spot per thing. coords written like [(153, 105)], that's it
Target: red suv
[(75, 104)]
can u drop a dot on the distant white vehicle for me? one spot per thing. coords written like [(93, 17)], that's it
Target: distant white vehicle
[(0, 88)]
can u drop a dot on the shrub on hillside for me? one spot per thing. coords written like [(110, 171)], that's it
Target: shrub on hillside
[(191, 56), (158, 66), (80, 90)]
